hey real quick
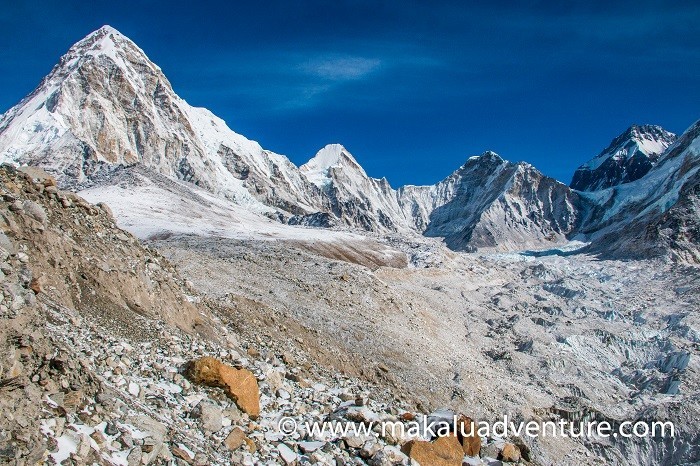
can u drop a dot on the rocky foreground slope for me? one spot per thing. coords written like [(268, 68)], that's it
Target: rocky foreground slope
[(489, 334), (109, 357)]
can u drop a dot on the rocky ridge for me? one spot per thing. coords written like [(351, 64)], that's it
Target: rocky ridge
[(105, 106), (654, 216), (628, 158)]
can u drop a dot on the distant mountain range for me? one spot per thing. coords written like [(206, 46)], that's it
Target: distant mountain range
[(106, 106)]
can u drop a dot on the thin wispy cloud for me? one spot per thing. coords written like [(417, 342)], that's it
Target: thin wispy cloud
[(276, 81), (343, 68)]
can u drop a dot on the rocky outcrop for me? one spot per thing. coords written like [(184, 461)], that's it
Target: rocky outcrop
[(510, 453), (467, 436), (96, 268)]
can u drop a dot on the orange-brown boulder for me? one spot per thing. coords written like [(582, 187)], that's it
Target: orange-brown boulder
[(510, 453), (239, 384), (445, 451), (235, 439), (466, 433)]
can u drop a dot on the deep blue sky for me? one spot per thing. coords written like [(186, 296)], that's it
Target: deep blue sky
[(411, 89)]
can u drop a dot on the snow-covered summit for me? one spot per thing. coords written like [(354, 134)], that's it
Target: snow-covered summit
[(106, 104), (490, 155), (105, 42), (317, 170), (105, 39), (629, 157)]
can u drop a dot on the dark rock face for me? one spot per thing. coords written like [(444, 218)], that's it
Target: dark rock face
[(629, 157), (318, 219), (674, 234), (679, 228)]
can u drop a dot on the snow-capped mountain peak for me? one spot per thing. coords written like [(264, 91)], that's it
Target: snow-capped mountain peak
[(105, 42), (105, 39), (629, 157), (333, 156), (650, 140), (86, 94), (489, 158), (490, 155), (105, 104)]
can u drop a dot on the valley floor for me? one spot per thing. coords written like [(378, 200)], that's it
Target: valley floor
[(486, 334)]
